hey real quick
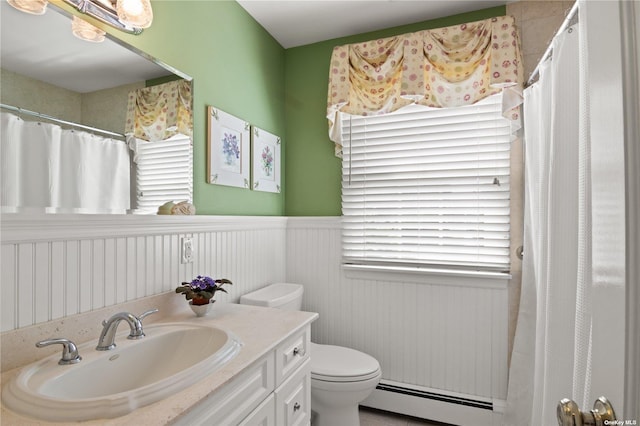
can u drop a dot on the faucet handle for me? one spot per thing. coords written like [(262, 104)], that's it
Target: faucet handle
[(147, 313), (136, 330), (70, 353)]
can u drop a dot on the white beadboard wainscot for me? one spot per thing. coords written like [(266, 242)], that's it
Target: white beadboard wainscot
[(441, 340), (54, 266), (437, 337)]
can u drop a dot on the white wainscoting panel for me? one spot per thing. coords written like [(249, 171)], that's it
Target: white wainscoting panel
[(57, 266), (433, 332), (439, 333)]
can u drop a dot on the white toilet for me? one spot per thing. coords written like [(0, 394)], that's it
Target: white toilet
[(341, 378)]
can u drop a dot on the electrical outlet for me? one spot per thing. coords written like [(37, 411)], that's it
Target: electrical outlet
[(186, 251)]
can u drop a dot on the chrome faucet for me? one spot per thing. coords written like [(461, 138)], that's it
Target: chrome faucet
[(107, 338)]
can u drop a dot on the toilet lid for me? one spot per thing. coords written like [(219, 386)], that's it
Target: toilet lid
[(337, 363)]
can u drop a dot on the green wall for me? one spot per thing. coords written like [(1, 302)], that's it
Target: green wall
[(313, 172), (236, 66)]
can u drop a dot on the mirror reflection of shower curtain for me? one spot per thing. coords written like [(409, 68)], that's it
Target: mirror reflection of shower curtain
[(45, 166)]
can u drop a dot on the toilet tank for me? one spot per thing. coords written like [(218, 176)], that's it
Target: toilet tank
[(286, 296)]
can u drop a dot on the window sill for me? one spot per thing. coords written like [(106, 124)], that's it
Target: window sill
[(427, 275)]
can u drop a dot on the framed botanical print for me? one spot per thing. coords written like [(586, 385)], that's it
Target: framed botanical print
[(266, 160), (228, 142)]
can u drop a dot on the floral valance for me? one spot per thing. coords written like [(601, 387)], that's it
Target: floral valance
[(444, 67), (156, 113)]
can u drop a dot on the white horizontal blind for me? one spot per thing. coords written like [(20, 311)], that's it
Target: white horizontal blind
[(164, 172), (427, 187)]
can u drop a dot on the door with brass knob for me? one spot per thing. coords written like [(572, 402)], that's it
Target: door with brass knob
[(569, 414)]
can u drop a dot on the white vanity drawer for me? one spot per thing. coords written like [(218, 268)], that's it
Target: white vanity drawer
[(293, 398), (291, 354), (236, 400), (264, 415)]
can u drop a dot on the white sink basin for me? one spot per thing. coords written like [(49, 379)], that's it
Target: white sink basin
[(108, 384)]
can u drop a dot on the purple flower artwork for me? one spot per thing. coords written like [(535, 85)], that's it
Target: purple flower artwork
[(267, 161), (230, 146)]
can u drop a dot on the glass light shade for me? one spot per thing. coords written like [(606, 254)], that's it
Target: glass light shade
[(86, 31), (136, 13), (35, 7)]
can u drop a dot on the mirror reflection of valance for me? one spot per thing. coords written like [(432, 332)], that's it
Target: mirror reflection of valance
[(159, 112), (444, 67)]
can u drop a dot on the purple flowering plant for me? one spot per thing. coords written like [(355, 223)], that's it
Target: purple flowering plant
[(202, 289)]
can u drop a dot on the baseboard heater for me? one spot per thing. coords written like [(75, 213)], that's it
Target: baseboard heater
[(485, 405)]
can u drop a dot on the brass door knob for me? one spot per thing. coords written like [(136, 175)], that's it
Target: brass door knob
[(569, 413)]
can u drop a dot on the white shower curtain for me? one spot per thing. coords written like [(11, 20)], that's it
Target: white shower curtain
[(551, 355), (44, 166)]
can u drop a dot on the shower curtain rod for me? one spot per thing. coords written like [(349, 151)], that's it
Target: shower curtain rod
[(565, 24), (57, 120)]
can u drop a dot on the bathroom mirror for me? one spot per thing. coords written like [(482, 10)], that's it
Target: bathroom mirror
[(47, 70)]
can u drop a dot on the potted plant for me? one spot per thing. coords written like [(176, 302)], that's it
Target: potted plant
[(200, 292)]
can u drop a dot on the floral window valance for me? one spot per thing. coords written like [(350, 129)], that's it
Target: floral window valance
[(156, 113), (444, 67)]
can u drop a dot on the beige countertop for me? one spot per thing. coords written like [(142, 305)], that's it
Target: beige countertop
[(259, 329)]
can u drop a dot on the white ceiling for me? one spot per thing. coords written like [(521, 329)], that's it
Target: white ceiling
[(49, 52), (299, 22)]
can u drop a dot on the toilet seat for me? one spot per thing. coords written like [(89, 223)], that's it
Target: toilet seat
[(339, 364), (343, 379)]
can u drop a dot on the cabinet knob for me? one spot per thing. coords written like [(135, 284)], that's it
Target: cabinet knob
[(296, 407), (300, 352)]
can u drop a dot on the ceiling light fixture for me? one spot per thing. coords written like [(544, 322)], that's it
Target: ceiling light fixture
[(130, 16), (85, 31), (126, 15), (136, 13), (34, 7)]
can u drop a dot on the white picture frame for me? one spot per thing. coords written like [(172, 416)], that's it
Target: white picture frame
[(266, 151), (229, 149)]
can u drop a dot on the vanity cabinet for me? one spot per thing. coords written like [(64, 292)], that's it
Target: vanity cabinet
[(291, 353), (275, 390), (293, 398), (263, 415)]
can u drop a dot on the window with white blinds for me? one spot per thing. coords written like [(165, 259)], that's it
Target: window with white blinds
[(164, 172), (427, 187)]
